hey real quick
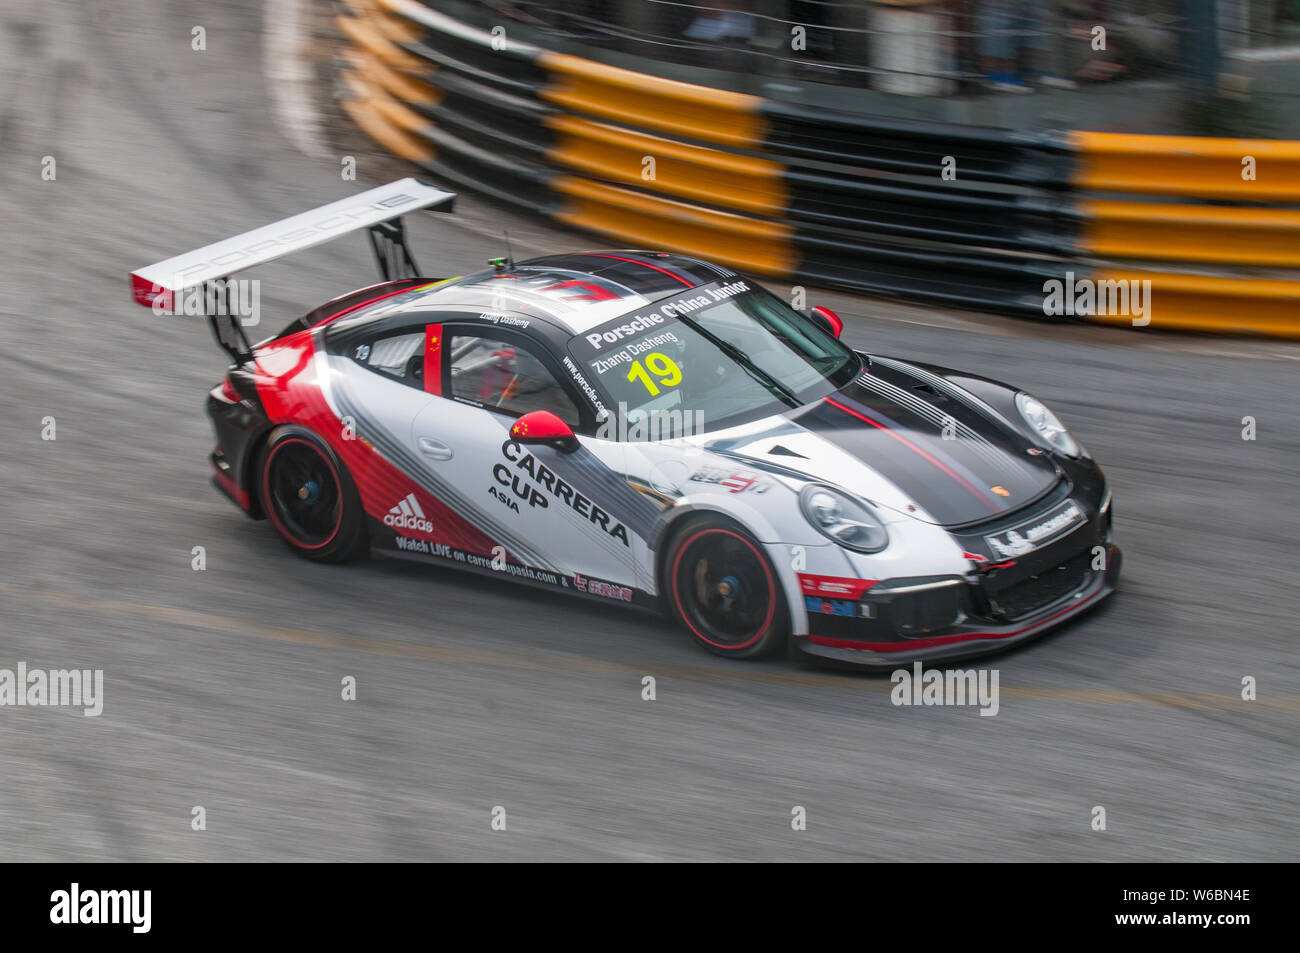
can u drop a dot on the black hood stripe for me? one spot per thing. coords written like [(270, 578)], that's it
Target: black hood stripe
[(950, 468), (961, 475), (910, 400)]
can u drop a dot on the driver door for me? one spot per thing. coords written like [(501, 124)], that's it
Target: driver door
[(554, 512)]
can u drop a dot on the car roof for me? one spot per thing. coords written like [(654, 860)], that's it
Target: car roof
[(577, 291)]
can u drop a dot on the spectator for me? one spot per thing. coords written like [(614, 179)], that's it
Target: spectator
[(730, 23)]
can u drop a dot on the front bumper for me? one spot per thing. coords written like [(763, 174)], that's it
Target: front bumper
[(956, 617)]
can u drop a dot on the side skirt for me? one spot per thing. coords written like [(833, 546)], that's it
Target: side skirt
[(588, 588)]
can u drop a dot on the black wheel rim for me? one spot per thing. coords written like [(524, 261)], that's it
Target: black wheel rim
[(724, 589), (304, 494)]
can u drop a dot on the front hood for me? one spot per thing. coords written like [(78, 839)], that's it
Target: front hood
[(913, 443)]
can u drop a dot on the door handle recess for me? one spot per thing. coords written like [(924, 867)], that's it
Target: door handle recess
[(434, 448)]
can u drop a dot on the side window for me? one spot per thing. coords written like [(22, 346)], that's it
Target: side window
[(505, 376), (400, 356)]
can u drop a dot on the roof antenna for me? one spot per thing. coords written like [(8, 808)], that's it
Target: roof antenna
[(501, 264)]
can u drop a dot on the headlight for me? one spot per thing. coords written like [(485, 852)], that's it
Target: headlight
[(842, 519), (1046, 424)]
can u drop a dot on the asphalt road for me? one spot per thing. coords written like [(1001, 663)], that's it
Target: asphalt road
[(222, 687)]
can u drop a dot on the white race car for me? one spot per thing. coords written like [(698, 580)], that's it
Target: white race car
[(653, 429)]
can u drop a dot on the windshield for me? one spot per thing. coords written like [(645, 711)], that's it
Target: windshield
[(716, 356)]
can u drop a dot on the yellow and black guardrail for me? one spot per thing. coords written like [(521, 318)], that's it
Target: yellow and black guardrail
[(958, 215)]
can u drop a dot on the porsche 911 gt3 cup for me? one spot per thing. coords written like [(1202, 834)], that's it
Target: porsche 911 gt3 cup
[(651, 429)]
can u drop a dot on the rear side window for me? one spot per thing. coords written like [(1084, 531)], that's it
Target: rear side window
[(399, 356)]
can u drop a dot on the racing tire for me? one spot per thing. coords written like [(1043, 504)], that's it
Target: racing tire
[(310, 499), (720, 586)]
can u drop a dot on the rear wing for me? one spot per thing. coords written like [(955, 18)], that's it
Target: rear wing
[(209, 268)]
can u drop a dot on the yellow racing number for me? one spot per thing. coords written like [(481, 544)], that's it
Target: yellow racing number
[(663, 367)]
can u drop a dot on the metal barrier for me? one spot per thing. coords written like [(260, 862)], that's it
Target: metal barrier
[(957, 215), (1187, 167)]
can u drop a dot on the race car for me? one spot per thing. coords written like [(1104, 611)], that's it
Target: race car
[(655, 430)]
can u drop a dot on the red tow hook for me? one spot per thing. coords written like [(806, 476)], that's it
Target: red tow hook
[(980, 562)]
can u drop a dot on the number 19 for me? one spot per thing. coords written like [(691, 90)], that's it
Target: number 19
[(660, 365)]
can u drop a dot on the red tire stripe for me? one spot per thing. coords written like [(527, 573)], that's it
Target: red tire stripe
[(771, 588), (266, 494)]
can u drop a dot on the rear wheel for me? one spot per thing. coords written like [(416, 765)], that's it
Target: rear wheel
[(310, 499), (721, 586)]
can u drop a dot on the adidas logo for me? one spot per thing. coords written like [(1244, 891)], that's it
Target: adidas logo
[(408, 515)]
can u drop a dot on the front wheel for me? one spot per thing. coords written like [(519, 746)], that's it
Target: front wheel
[(721, 586), (310, 499)]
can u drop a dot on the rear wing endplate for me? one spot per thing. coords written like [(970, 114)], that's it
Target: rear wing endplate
[(378, 210)]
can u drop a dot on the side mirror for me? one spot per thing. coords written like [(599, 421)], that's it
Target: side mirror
[(828, 319), (542, 426)]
